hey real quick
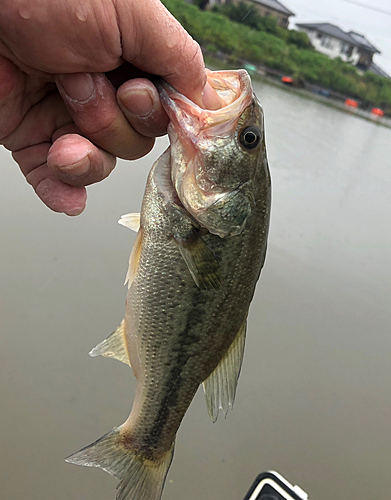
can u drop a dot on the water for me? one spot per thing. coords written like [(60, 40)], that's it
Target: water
[(314, 396)]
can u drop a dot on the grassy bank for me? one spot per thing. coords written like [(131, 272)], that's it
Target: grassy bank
[(216, 32)]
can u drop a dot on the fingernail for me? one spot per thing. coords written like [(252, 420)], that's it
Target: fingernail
[(210, 98), (78, 86), (138, 102), (77, 169)]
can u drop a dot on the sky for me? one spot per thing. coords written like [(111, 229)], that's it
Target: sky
[(348, 15)]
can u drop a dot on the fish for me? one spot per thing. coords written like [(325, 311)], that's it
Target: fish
[(200, 247)]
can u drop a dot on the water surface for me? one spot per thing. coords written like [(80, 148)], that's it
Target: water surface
[(314, 396)]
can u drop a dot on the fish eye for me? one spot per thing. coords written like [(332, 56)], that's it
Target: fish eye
[(250, 137)]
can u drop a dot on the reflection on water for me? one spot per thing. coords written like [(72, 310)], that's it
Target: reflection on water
[(314, 398)]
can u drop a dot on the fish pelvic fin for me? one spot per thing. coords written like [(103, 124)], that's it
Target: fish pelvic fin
[(220, 386), (139, 478), (132, 221), (114, 346)]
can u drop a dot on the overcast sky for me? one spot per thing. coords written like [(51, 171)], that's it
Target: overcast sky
[(376, 26)]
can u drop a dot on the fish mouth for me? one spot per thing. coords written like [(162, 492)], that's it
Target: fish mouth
[(188, 119)]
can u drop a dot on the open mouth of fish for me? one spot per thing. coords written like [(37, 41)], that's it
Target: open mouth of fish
[(233, 88)]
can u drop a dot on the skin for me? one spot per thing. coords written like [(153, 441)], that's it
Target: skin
[(74, 93)]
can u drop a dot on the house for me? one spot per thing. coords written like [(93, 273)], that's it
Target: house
[(275, 9), (265, 8), (349, 46), (365, 49)]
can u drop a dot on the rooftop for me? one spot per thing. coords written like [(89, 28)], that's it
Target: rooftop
[(334, 31), (275, 5), (363, 41), (374, 68)]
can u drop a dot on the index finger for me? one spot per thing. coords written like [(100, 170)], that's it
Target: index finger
[(154, 41)]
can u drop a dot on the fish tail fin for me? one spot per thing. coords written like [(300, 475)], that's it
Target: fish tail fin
[(139, 478)]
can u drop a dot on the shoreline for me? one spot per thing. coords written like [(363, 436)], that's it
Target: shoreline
[(260, 75)]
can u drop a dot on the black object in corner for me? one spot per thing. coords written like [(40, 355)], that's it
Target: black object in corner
[(272, 486)]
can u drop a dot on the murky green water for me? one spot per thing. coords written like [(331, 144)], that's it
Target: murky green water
[(314, 397)]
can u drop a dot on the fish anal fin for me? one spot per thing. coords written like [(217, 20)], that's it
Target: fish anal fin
[(201, 262), (139, 478), (134, 258), (132, 221), (220, 386), (114, 346)]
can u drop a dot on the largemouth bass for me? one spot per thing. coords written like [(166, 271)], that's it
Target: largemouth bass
[(200, 246)]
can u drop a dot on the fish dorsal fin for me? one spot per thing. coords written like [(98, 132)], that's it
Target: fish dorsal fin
[(201, 262), (132, 221), (220, 386), (114, 346), (134, 258)]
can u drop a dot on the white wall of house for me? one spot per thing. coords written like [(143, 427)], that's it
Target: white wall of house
[(332, 47)]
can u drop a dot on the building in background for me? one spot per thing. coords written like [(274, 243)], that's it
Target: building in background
[(350, 46), (273, 8), (265, 8)]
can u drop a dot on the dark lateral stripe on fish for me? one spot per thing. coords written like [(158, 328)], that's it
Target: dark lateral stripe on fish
[(198, 300)]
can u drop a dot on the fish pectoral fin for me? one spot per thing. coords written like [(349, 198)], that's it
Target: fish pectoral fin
[(134, 258), (132, 221), (139, 478), (201, 262), (220, 386), (114, 346)]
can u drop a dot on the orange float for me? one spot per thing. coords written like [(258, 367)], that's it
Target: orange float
[(352, 103), (377, 111)]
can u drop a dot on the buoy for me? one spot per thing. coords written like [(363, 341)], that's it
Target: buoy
[(352, 103), (377, 111)]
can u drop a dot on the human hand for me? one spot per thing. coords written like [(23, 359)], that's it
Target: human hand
[(61, 115)]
